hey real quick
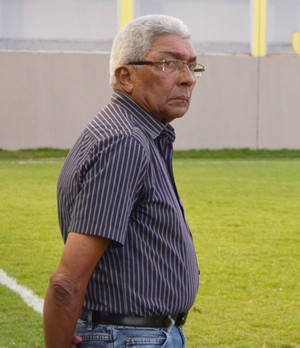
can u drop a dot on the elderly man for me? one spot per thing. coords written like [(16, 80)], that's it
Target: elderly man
[(128, 273)]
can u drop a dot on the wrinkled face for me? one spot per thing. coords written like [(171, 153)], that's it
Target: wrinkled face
[(164, 94)]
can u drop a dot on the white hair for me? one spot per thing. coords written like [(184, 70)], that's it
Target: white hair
[(135, 40)]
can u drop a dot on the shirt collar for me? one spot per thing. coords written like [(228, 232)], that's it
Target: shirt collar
[(150, 124)]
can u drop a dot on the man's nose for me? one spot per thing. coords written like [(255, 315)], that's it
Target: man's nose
[(186, 76)]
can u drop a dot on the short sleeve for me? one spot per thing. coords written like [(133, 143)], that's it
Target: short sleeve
[(110, 187)]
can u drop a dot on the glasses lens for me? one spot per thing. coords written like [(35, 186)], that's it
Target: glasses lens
[(170, 65), (198, 70)]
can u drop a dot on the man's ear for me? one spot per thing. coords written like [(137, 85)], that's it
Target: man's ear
[(123, 76)]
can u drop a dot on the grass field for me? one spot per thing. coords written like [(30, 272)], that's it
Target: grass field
[(243, 211)]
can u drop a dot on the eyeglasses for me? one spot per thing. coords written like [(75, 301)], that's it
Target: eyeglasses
[(174, 65)]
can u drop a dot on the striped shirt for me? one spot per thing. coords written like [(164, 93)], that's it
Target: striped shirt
[(117, 182)]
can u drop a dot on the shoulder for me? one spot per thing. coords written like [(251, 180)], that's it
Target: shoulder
[(113, 134), (115, 126)]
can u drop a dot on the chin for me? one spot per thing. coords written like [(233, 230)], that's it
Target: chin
[(170, 119), (173, 113), (180, 113)]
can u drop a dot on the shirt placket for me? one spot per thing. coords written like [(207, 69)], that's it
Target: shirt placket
[(165, 146)]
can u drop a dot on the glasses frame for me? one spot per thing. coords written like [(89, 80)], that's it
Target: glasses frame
[(195, 68)]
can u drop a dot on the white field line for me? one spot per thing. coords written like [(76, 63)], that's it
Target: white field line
[(27, 295)]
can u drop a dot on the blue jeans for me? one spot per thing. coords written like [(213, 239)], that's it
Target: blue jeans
[(108, 336)]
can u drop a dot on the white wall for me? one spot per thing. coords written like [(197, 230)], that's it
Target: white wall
[(283, 18), (47, 98), (57, 19), (58, 24), (208, 20), (217, 26)]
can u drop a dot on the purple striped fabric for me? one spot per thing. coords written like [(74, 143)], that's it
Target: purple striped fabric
[(117, 182)]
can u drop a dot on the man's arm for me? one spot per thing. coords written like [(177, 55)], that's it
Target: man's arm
[(67, 287)]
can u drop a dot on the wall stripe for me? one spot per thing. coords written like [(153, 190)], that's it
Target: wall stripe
[(125, 12), (259, 28), (296, 42)]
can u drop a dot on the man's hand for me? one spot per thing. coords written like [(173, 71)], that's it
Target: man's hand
[(67, 287), (76, 340)]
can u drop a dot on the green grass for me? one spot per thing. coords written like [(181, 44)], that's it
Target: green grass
[(246, 223), (196, 154), (245, 219), (40, 153)]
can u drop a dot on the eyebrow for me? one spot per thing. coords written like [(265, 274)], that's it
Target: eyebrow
[(177, 55)]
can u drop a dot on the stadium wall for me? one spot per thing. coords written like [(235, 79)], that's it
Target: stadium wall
[(241, 101)]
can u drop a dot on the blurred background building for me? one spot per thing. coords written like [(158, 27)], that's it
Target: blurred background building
[(54, 69)]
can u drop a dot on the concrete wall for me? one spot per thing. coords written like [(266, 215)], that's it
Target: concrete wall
[(46, 98)]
